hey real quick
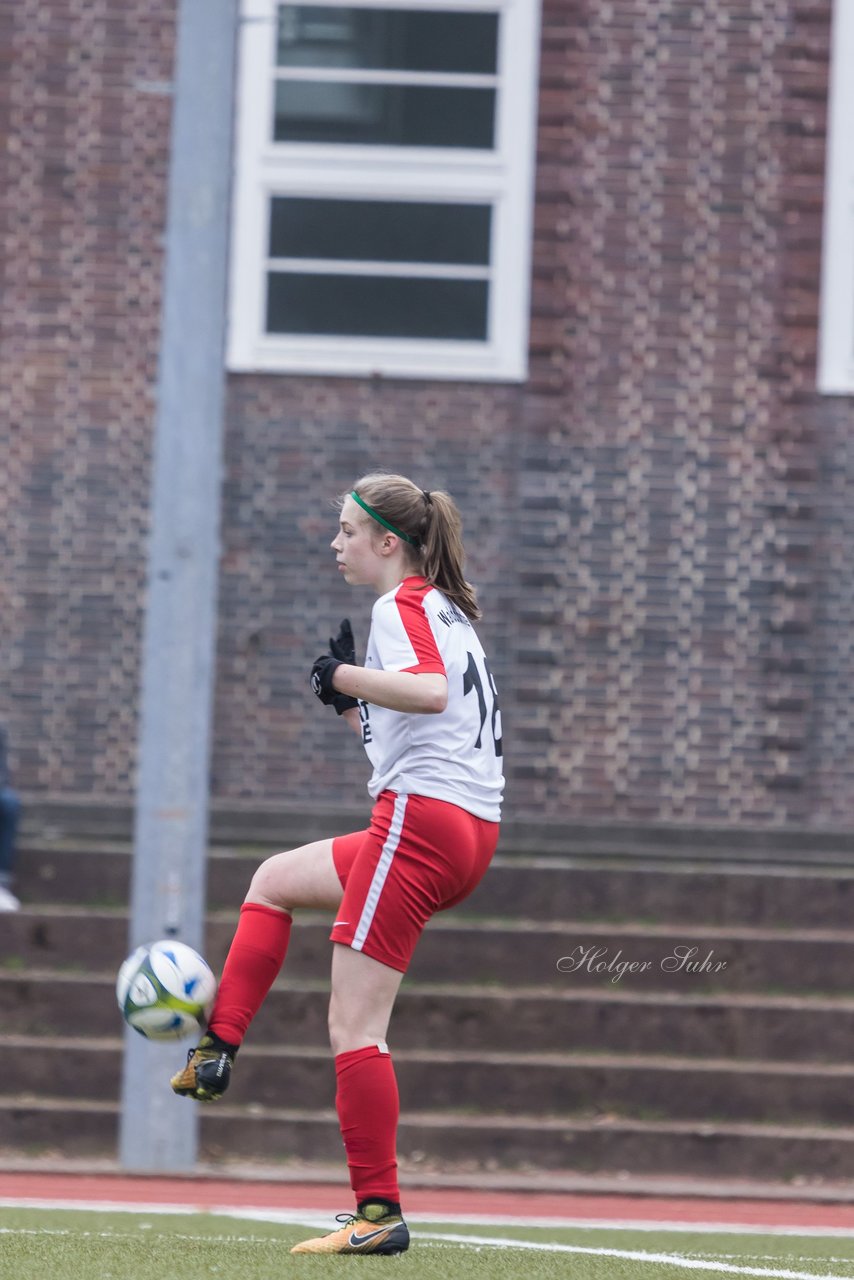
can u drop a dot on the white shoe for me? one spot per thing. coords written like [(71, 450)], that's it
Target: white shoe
[(8, 901)]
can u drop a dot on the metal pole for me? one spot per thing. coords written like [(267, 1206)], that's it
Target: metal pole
[(159, 1131)]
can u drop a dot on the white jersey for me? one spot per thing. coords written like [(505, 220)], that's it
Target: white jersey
[(455, 755)]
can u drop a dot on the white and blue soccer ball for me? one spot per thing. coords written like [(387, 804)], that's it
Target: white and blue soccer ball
[(165, 990)]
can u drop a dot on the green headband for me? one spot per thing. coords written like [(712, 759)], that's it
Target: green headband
[(375, 515)]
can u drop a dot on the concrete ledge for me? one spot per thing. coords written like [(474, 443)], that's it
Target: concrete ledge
[(278, 824)]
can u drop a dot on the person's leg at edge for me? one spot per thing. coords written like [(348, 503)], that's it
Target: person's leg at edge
[(363, 995), (10, 807), (304, 877)]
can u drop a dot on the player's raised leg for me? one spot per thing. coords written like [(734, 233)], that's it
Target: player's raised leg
[(303, 877)]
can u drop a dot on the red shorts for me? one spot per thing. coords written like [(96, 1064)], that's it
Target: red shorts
[(417, 857)]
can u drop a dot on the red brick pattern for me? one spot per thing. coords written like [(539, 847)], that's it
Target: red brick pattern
[(81, 219), (661, 520)]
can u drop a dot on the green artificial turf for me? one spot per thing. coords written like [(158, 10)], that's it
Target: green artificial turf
[(41, 1244)]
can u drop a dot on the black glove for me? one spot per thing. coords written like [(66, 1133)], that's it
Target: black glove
[(343, 647), (321, 678), (342, 650)]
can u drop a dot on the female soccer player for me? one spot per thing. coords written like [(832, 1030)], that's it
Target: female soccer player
[(425, 707)]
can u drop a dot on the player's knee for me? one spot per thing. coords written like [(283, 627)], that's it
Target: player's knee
[(344, 1039), (269, 885), (353, 1028)]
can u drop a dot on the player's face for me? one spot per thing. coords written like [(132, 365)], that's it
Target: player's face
[(358, 556)]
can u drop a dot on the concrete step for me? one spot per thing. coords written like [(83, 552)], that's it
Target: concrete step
[(601, 1009), (57, 817), (487, 1018), (463, 1142), (524, 1141), (568, 954), (572, 1085), (535, 888)]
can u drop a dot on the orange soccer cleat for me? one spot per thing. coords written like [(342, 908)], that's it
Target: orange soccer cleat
[(208, 1071), (373, 1230)]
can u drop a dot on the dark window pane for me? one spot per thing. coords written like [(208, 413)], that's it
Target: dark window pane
[(380, 231), (387, 39), (376, 306), (384, 115)]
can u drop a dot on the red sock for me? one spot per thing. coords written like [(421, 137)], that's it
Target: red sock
[(368, 1108), (253, 961)]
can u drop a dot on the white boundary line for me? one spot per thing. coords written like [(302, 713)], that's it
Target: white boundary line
[(317, 1215), (578, 1224), (97, 1206), (631, 1224)]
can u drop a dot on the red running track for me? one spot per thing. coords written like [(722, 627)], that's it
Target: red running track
[(208, 1193)]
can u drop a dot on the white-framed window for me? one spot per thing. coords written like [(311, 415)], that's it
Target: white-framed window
[(836, 321), (383, 188)]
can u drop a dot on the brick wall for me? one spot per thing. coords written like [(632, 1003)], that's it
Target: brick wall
[(82, 186), (661, 521)]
